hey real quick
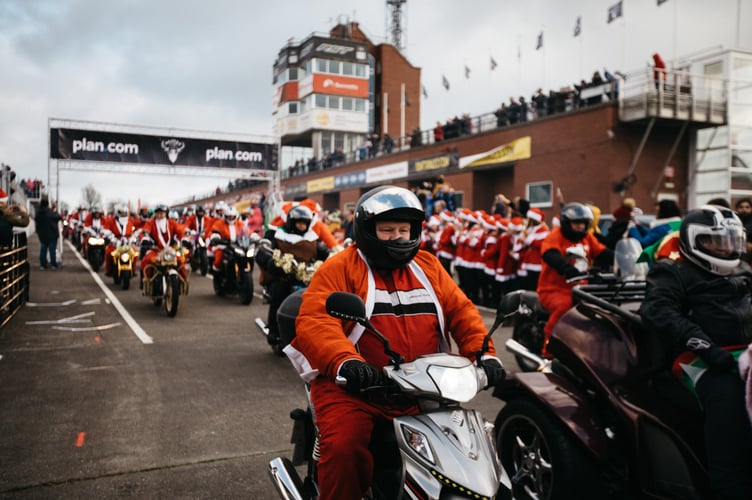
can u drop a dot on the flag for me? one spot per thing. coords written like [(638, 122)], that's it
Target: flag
[(539, 44), (661, 2), (614, 11), (467, 71), (493, 64), (445, 82), (423, 89), (578, 26)]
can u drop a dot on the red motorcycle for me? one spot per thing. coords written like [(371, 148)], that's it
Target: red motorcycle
[(605, 418)]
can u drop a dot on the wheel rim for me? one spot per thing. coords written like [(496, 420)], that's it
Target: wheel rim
[(527, 457)]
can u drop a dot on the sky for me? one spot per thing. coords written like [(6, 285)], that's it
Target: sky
[(207, 66)]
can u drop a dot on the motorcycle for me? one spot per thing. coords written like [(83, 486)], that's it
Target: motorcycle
[(445, 451), (196, 246), (603, 418), (124, 258), (94, 243), (166, 279), (236, 272)]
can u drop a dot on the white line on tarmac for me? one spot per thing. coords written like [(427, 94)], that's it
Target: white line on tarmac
[(50, 304), (140, 333), (87, 328)]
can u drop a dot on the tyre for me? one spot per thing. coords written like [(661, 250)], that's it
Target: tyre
[(203, 263), (116, 277), (541, 457), (125, 279), (245, 288), (172, 295), (530, 334), (218, 283), (94, 261)]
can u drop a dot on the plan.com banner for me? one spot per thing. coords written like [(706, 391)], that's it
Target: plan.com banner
[(116, 147)]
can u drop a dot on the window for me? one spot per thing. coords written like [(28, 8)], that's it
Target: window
[(292, 107), (333, 102), (293, 74), (540, 194), (360, 70), (320, 66), (334, 67), (347, 104), (348, 68), (320, 101), (360, 104)]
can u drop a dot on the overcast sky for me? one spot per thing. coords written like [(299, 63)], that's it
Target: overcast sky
[(207, 65)]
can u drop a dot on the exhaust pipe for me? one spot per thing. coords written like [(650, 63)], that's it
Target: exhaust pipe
[(262, 326), (286, 479), (517, 348)]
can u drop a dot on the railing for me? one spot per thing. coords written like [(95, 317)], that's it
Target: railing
[(14, 277)]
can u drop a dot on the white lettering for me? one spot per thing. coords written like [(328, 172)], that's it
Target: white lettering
[(226, 154), (99, 147), (330, 48)]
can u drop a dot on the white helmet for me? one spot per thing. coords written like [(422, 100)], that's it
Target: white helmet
[(231, 213), (713, 237)]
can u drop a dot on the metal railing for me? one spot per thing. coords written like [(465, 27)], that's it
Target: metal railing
[(14, 277)]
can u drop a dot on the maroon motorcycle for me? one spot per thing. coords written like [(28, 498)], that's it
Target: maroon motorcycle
[(605, 418)]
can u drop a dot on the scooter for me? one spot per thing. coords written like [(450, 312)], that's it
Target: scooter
[(124, 258), (95, 240), (236, 271), (604, 418), (444, 452)]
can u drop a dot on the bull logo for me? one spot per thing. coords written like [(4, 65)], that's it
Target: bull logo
[(173, 147)]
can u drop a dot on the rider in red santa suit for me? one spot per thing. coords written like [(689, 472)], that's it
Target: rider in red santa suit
[(199, 221), (229, 228), (121, 225), (410, 298), (162, 232)]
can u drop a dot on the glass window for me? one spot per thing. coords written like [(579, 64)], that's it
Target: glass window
[(712, 159), (293, 74), (347, 103), (540, 194), (282, 76), (360, 104), (713, 137), (339, 140), (307, 67), (334, 67), (320, 66), (717, 181), (360, 70), (333, 102), (742, 137), (292, 107), (320, 101), (326, 142), (348, 68), (303, 105)]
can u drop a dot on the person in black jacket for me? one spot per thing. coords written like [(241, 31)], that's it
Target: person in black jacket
[(46, 221), (701, 303)]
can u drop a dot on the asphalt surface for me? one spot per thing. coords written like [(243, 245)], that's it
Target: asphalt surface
[(103, 396)]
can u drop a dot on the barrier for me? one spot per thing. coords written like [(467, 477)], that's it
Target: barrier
[(14, 277)]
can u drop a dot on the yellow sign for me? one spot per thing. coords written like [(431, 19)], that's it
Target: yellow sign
[(432, 164), (519, 149), (323, 184)]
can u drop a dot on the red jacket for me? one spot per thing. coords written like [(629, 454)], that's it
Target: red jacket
[(162, 238), (322, 343), (550, 280)]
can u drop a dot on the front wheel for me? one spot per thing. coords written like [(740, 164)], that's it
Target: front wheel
[(125, 278), (542, 460), (172, 295), (203, 263), (529, 333), (245, 288)]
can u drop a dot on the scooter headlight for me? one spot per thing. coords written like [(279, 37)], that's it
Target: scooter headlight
[(457, 384), (169, 255), (418, 442), (249, 253), (125, 257), (239, 251), (96, 241)]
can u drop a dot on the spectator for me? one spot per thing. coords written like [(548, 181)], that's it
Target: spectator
[(502, 118), (541, 103), (523, 109), (46, 220), (668, 220), (388, 144), (513, 111), (438, 132), (10, 216), (622, 217), (743, 208), (659, 70)]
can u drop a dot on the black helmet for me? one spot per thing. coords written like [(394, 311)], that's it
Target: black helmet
[(161, 208), (200, 208), (298, 213), (712, 237), (388, 203), (575, 212)]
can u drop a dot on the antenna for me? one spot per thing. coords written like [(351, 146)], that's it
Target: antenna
[(396, 20)]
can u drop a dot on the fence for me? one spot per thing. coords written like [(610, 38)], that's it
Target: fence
[(14, 277)]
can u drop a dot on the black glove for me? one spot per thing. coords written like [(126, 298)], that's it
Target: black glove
[(570, 272), (495, 373), (360, 376), (717, 359)]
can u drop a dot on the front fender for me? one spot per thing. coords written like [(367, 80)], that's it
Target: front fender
[(564, 401)]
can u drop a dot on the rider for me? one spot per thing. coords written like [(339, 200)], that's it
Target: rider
[(567, 252), (121, 226), (161, 232), (294, 237), (409, 298), (701, 303), (228, 228)]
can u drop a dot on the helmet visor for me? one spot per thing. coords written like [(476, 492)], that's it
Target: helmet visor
[(724, 243), (389, 199)]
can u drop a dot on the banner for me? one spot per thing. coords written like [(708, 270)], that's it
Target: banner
[(519, 149), (118, 147)]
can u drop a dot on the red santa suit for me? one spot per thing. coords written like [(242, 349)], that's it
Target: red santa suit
[(161, 231), (225, 230)]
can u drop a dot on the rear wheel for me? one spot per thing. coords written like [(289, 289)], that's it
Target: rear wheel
[(530, 334), (541, 458), (172, 295), (203, 263)]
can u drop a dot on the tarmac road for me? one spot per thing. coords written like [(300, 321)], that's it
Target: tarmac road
[(91, 409)]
